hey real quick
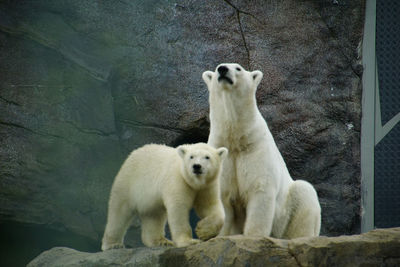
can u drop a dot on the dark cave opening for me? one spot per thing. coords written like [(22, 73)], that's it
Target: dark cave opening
[(197, 133)]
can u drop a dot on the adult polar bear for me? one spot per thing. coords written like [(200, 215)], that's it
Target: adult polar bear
[(259, 196)]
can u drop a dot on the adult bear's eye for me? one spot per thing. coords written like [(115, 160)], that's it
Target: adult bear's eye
[(238, 69), (191, 157), (207, 157)]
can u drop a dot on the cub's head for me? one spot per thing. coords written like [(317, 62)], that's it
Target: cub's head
[(201, 163), (232, 77)]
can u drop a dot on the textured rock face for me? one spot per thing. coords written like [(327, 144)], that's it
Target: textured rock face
[(376, 248), (85, 82)]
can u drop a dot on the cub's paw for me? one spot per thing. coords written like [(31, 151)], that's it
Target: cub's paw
[(105, 247), (164, 243), (186, 243), (206, 230)]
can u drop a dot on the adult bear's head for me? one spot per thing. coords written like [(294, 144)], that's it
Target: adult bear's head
[(232, 77)]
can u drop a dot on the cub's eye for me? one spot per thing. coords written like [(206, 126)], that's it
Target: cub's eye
[(191, 157), (207, 157), (238, 69)]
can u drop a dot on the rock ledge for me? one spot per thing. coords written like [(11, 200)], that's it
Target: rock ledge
[(376, 248)]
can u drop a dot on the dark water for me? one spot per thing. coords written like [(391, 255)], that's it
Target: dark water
[(20, 243)]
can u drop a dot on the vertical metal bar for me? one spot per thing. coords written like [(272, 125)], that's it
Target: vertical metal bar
[(368, 118)]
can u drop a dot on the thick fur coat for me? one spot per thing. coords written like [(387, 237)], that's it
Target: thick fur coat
[(161, 183), (259, 196)]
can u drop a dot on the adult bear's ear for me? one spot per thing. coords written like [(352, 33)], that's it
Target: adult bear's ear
[(181, 151), (207, 77), (256, 76), (222, 152)]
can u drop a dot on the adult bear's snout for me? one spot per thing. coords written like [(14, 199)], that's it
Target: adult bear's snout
[(222, 70)]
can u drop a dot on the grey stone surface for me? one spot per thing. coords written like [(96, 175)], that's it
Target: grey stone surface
[(376, 248), (62, 256), (85, 82)]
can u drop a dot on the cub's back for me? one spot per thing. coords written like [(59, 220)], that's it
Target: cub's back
[(150, 162), (152, 154), (144, 174)]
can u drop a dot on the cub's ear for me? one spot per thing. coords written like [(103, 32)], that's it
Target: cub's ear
[(222, 152), (181, 151), (256, 76), (207, 77)]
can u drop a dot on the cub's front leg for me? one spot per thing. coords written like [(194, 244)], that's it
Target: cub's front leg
[(209, 227), (209, 207), (178, 221)]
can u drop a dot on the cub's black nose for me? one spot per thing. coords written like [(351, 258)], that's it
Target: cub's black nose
[(197, 168), (222, 70)]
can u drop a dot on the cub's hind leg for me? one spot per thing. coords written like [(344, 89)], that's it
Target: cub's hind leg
[(119, 219), (153, 230)]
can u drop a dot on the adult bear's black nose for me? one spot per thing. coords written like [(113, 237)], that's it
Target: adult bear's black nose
[(222, 70)]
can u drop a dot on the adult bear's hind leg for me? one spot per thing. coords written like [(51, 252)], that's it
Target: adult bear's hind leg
[(305, 211)]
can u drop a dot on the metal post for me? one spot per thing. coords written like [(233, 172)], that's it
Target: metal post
[(368, 118)]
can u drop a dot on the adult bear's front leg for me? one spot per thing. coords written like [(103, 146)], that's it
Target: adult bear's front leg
[(228, 226), (259, 214)]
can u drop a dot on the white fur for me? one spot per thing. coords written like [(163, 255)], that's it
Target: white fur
[(158, 182), (259, 196)]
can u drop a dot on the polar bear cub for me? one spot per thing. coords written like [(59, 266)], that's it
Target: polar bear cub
[(259, 196), (158, 182)]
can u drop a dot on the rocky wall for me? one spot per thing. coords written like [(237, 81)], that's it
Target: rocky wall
[(85, 82)]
